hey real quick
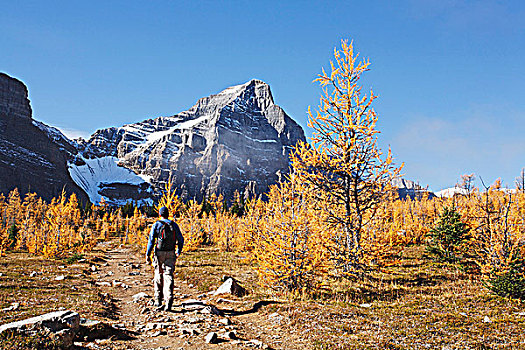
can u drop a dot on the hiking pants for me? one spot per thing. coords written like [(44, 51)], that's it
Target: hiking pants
[(164, 263)]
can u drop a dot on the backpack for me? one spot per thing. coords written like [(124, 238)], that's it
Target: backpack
[(166, 240)]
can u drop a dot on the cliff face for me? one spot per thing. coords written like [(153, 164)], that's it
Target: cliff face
[(29, 159), (237, 139)]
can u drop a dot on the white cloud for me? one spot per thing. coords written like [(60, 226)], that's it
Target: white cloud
[(73, 133)]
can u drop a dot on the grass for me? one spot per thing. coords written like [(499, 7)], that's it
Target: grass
[(206, 267), (416, 304), (41, 340), (31, 282)]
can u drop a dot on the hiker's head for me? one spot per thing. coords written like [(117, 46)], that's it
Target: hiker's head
[(163, 211)]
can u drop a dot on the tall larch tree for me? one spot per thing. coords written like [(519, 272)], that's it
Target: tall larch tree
[(343, 161)]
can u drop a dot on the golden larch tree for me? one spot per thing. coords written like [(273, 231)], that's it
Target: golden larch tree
[(343, 159)]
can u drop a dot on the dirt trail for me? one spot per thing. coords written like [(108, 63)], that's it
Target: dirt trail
[(239, 323)]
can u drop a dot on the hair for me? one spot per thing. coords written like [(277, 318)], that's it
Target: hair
[(163, 211)]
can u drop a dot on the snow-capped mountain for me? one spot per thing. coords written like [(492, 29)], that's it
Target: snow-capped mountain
[(237, 139), (451, 192)]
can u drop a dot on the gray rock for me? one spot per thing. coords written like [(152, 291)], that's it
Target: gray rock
[(140, 296), (53, 321), (412, 189), (225, 321), (231, 286), (259, 344), (62, 324), (159, 333), (212, 310), (211, 338), (231, 335), (103, 284), (193, 304), (189, 331)]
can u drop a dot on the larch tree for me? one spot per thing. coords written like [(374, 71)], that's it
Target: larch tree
[(343, 161)]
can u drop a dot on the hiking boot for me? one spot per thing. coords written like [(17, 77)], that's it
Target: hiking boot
[(168, 305)]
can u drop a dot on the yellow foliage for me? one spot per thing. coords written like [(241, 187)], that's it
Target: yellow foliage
[(343, 163), (190, 225), (170, 200), (289, 240)]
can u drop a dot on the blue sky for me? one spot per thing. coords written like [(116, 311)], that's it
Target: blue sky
[(449, 74)]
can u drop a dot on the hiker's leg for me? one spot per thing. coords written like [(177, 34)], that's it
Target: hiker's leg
[(169, 265), (157, 280)]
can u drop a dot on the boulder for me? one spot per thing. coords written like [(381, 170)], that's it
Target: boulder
[(211, 338), (63, 325), (231, 286), (212, 310)]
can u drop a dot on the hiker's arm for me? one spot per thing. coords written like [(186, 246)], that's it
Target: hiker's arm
[(180, 239), (151, 239)]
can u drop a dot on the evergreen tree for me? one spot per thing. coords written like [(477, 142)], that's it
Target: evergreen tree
[(448, 237)]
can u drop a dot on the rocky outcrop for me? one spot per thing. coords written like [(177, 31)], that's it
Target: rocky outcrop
[(62, 325), (412, 189), (231, 286), (29, 159), (237, 139), (13, 98)]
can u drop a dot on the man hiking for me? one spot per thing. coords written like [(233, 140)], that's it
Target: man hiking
[(165, 235)]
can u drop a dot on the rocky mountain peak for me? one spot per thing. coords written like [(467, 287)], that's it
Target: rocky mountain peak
[(14, 97), (237, 139), (234, 140)]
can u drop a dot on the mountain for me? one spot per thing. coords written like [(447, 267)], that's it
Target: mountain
[(412, 189), (238, 139), (29, 159)]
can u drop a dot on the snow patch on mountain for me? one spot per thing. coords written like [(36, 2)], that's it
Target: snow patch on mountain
[(450, 192), (96, 173)]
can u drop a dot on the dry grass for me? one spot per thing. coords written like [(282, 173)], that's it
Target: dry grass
[(415, 305), (30, 281)]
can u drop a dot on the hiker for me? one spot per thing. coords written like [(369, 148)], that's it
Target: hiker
[(165, 235)]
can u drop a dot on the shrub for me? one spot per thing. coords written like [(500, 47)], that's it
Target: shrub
[(510, 284), (12, 235), (448, 237)]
